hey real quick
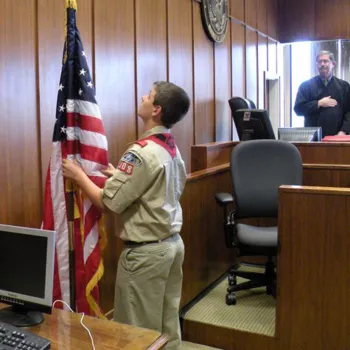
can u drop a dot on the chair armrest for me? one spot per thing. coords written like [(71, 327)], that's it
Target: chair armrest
[(223, 198)]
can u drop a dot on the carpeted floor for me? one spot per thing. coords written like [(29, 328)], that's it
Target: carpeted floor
[(254, 312)]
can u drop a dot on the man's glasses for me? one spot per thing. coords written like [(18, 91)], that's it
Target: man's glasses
[(320, 62)]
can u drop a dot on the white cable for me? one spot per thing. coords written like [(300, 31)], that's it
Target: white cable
[(81, 321)]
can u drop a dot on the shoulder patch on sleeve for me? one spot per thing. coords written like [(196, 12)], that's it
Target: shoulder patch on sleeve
[(132, 158), (128, 161), (125, 167)]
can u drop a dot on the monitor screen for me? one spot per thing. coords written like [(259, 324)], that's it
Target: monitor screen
[(306, 134), (26, 270), (253, 124)]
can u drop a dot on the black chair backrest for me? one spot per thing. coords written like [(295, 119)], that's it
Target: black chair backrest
[(258, 168), (237, 103)]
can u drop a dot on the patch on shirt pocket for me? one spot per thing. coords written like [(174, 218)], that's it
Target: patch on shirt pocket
[(114, 184)]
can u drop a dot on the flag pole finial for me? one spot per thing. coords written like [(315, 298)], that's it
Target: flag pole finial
[(71, 4)]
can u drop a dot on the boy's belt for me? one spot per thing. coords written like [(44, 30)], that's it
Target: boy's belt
[(134, 244)]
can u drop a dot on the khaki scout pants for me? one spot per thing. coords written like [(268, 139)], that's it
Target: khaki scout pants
[(148, 287)]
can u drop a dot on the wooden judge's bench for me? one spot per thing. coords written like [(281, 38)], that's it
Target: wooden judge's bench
[(324, 163), (313, 294)]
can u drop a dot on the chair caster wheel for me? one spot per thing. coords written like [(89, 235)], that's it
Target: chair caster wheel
[(231, 289), (232, 280), (231, 299)]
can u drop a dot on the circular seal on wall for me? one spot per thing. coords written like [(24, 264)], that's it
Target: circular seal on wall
[(215, 18)]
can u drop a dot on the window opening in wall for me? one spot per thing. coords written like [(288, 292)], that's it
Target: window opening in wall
[(303, 67), (301, 70)]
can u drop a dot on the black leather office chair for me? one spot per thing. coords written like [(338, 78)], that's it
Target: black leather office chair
[(258, 168), (237, 103)]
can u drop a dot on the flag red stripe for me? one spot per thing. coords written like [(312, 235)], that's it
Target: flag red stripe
[(98, 180), (91, 153), (85, 122), (93, 262), (94, 154), (91, 217), (57, 294), (81, 274)]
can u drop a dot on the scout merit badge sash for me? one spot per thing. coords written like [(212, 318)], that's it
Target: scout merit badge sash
[(167, 141)]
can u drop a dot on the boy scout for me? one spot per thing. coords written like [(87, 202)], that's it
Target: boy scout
[(145, 189)]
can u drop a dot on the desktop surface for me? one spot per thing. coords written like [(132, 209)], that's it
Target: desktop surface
[(64, 330)]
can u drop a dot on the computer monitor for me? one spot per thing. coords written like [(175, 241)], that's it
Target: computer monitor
[(26, 274), (253, 124), (306, 134)]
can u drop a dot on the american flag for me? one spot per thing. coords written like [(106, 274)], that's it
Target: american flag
[(78, 134)]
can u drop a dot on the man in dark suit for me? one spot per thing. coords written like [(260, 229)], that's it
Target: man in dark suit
[(324, 100)]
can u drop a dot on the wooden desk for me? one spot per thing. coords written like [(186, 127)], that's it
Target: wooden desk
[(64, 330)]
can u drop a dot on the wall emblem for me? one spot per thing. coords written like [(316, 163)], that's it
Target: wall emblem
[(215, 17)]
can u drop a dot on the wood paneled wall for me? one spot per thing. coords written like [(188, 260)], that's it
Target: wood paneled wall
[(129, 44), (301, 20)]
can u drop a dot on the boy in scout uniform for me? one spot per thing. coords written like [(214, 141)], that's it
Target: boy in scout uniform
[(145, 189)]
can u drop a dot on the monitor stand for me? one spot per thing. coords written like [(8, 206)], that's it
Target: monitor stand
[(20, 316)]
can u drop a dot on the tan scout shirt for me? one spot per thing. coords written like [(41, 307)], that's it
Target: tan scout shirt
[(145, 189)]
